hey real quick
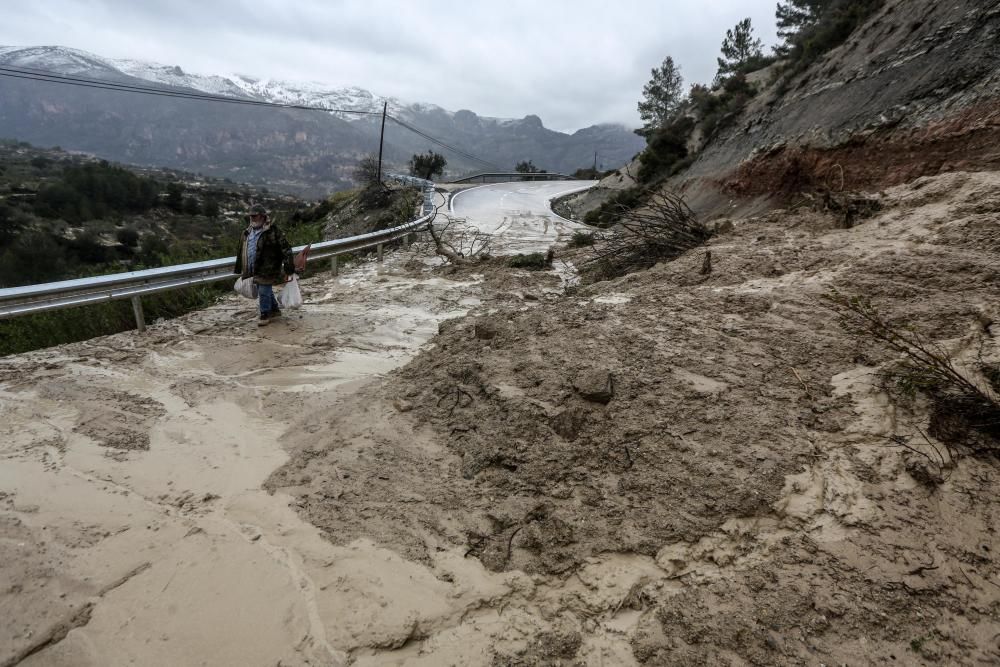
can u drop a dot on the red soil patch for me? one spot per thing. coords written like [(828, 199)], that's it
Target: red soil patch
[(967, 141)]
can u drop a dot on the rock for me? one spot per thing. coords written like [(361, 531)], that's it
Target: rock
[(723, 227), (922, 469), (485, 331), (569, 422), (595, 385), (447, 325), (402, 405)]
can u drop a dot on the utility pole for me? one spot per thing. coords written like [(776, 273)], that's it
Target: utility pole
[(595, 162), (381, 140)]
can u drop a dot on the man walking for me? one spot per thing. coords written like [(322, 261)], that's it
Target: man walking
[(266, 256)]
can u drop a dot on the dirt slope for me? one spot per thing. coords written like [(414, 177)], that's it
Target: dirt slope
[(914, 92), (730, 498)]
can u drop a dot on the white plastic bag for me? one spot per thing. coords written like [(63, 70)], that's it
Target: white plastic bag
[(291, 296), (246, 287)]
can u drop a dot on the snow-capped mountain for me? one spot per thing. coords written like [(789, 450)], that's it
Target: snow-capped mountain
[(67, 61), (283, 148)]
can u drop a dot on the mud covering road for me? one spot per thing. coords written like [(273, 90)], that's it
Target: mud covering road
[(134, 528), (430, 466)]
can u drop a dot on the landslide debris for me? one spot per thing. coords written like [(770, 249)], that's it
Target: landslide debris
[(720, 429)]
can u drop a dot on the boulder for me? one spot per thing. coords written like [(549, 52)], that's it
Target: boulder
[(596, 385)]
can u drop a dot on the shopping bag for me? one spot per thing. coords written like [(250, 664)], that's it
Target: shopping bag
[(246, 287), (291, 296), (302, 258)]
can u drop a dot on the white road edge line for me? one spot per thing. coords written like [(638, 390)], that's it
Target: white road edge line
[(566, 192), (451, 200)]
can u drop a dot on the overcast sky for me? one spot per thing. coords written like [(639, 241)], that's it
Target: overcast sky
[(574, 63)]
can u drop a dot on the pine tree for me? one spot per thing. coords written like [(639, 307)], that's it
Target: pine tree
[(794, 15), (427, 165), (738, 49), (661, 97)]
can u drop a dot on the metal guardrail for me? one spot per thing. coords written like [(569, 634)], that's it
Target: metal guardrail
[(133, 285), (506, 177)]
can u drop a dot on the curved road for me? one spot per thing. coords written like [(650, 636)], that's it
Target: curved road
[(519, 211)]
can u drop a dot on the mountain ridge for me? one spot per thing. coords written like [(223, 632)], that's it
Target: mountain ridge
[(305, 154)]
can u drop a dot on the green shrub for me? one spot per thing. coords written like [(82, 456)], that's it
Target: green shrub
[(535, 261), (95, 191), (128, 237), (810, 28), (581, 239), (609, 211), (667, 147)]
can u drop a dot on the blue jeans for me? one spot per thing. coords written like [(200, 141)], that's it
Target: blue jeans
[(265, 296)]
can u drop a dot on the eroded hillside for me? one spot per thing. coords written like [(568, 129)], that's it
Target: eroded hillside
[(732, 493), (913, 91)]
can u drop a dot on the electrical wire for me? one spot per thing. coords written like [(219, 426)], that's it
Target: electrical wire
[(442, 144), (31, 74), (39, 75)]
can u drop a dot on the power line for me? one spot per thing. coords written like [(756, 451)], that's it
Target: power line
[(51, 77), (442, 144), (45, 76)]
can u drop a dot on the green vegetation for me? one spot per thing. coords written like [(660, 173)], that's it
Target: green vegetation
[(94, 192), (609, 211), (741, 53), (427, 165), (810, 28), (581, 239), (661, 97), (528, 167), (30, 332), (534, 261), (676, 125), (65, 216)]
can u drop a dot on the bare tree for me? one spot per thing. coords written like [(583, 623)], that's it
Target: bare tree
[(374, 193), (456, 241), (366, 172), (661, 227)]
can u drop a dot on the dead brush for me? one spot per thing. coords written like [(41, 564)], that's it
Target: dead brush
[(660, 227), (457, 242), (964, 404)]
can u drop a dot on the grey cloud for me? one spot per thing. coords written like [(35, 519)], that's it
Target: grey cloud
[(571, 63)]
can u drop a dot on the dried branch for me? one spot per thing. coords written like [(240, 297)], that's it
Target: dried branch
[(661, 227), (963, 401), (456, 241)]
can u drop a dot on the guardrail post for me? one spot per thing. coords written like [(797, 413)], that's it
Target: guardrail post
[(140, 321), (333, 264), (379, 253)]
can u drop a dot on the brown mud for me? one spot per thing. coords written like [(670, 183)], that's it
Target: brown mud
[(432, 465), (697, 467)]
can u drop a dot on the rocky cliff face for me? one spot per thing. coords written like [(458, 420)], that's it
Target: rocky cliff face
[(914, 92)]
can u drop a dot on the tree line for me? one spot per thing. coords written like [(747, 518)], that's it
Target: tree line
[(807, 28)]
